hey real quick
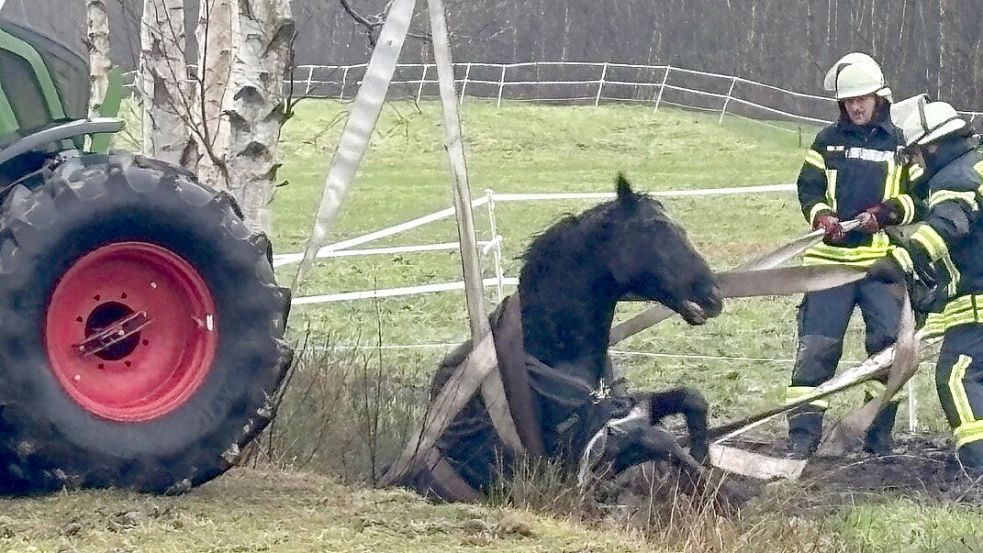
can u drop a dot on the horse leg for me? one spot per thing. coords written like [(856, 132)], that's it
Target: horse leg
[(690, 403), (645, 443)]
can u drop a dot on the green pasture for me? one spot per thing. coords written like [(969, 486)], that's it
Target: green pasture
[(346, 410)]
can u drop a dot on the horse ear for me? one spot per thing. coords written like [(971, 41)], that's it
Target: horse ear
[(626, 195)]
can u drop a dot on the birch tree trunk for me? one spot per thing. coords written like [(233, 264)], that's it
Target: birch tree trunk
[(164, 83), (263, 32), (97, 34), (214, 37)]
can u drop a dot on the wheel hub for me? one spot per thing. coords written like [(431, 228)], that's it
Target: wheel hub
[(130, 331), (112, 331)]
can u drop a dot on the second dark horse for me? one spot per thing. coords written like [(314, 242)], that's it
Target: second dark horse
[(573, 276)]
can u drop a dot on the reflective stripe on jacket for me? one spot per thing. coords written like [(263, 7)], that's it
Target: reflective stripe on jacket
[(848, 169), (951, 237)]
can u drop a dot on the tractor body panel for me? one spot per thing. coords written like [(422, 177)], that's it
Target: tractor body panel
[(43, 83)]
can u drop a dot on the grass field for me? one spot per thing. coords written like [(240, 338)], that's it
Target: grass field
[(251, 511), (740, 360)]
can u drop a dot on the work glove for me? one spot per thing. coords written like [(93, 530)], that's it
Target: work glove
[(921, 279), (830, 223), (879, 216)]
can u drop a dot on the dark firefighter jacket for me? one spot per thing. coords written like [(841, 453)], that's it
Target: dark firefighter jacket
[(951, 236), (848, 169)]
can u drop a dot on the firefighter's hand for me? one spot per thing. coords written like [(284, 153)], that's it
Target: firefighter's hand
[(830, 224), (868, 221), (886, 269), (877, 217)]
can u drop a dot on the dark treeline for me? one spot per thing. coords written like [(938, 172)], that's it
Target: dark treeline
[(924, 45)]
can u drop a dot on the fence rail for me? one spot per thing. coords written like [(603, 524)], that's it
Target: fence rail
[(586, 83)]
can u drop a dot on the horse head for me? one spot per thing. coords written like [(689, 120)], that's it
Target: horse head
[(649, 255), (576, 271)]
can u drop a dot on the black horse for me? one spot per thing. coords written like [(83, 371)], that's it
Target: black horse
[(573, 276)]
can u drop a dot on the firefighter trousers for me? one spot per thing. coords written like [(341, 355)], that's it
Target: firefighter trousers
[(959, 381), (822, 323)]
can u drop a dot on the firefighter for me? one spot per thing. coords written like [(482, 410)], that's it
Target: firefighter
[(943, 260), (851, 171)]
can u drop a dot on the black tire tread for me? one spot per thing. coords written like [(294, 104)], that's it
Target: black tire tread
[(36, 453)]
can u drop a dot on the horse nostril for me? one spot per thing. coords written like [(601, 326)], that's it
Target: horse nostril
[(713, 300)]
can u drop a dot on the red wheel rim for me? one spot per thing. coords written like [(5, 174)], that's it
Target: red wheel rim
[(151, 372)]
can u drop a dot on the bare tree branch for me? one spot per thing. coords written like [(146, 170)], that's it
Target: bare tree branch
[(373, 23)]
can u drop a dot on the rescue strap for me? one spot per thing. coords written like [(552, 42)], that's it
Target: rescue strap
[(658, 312)]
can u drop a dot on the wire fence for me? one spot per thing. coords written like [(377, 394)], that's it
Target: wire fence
[(586, 83)]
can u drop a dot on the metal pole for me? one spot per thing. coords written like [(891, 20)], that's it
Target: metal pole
[(497, 246), (423, 80), (730, 91), (310, 77), (501, 86), (662, 87), (464, 85), (600, 84)]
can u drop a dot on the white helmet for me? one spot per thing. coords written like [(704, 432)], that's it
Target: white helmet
[(829, 81), (856, 74), (930, 122), (902, 109), (860, 79)]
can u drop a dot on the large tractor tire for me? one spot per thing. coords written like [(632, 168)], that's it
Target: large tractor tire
[(141, 329)]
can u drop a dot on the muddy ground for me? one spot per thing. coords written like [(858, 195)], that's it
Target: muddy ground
[(923, 469)]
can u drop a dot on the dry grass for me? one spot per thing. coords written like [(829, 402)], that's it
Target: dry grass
[(252, 511)]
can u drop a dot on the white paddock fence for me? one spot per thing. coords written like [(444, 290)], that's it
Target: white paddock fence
[(590, 83), (492, 248), (586, 83), (491, 251)]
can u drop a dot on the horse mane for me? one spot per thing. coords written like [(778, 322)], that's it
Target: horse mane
[(570, 229), (574, 230)]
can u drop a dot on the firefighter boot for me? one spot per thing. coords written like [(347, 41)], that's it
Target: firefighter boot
[(805, 428), (880, 435)]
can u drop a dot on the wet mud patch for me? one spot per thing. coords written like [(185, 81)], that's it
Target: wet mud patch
[(922, 468)]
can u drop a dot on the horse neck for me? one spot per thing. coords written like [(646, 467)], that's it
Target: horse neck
[(567, 308)]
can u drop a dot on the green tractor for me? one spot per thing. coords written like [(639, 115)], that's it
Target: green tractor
[(141, 326)]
